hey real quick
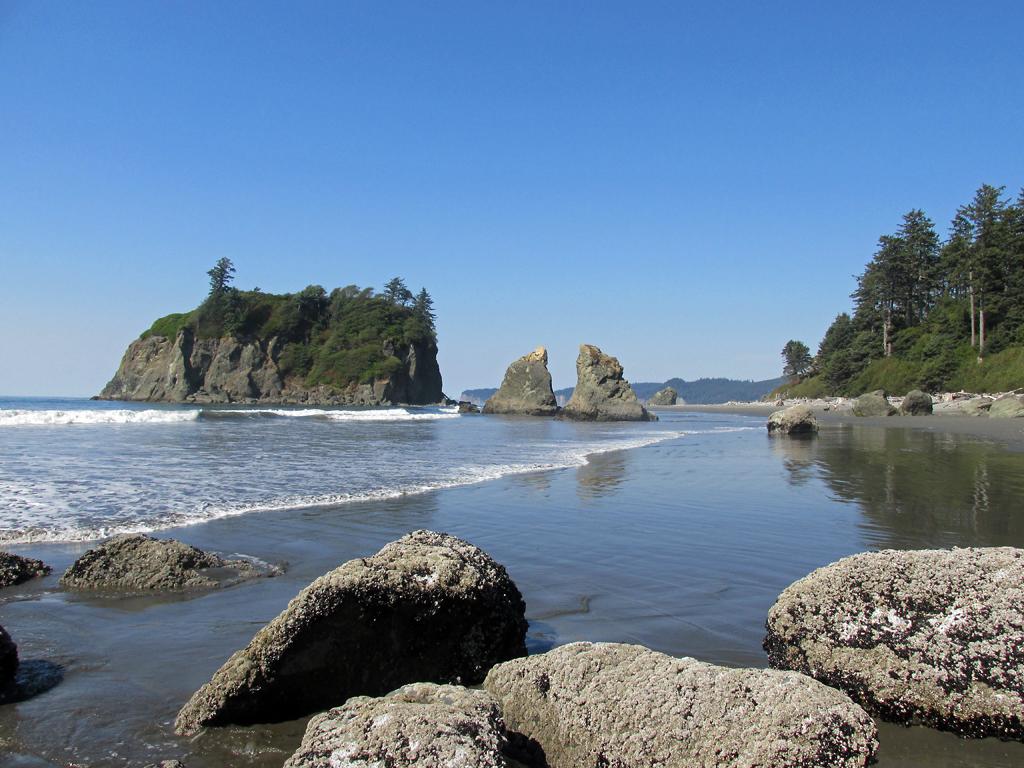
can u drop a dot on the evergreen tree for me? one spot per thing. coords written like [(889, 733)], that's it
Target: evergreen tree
[(397, 292), (798, 358), (221, 275), (423, 309)]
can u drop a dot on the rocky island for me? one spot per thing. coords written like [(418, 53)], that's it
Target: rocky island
[(349, 346)]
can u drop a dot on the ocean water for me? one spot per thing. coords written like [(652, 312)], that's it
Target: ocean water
[(678, 535), (76, 470)]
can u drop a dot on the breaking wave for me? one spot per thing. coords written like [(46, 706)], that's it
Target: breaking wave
[(51, 418)]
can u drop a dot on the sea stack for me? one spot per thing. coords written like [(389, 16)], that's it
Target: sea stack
[(526, 388), (666, 396), (601, 393)]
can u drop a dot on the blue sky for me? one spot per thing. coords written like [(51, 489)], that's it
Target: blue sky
[(686, 185)]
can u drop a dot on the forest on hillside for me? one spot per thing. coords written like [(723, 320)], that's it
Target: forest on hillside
[(930, 312)]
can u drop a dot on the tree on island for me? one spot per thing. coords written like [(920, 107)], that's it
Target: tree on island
[(798, 358), (221, 275), (397, 292)]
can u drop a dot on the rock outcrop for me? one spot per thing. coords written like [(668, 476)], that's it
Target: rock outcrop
[(607, 704), (1007, 407), (873, 404), (425, 725), (15, 569), (8, 658), (795, 420), (138, 563), (931, 636), (973, 406), (666, 396), (916, 403), (428, 607), (230, 370), (526, 388), (601, 393)]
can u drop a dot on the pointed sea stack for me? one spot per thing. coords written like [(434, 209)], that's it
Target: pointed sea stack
[(526, 388), (601, 393)]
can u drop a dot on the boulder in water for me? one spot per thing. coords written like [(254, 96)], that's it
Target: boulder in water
[(421, 724), (795, 420), (15, 569), (526, 388), (428, 607), (608, 704), (139, 563), (601, 393), (928, 636), (8, 658)]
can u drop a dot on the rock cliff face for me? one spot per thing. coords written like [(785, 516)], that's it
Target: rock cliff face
[(230, 370), (526, 388), (601, 393)]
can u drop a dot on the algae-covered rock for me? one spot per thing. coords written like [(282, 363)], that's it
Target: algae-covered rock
[(601, 393), (428, 607), (139, 563), (873, 404), (624, 706), (422, 724), (916, 403), (526, 388), (15, 569), (795, 420), (931, 636)]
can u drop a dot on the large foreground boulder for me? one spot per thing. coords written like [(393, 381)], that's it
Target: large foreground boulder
[(873, 404), (15, 569), (666, 396), (8, 658), (526, 388), (916, 403), (932, 636), (422, 724), (795, 420), (138, 563), (624, 706), (428, 607), (1007, 407), (601, 393)]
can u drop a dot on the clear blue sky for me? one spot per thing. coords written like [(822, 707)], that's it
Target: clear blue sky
[(687, 185)]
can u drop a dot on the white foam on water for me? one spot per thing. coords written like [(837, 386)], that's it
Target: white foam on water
[(51, 418), (570, 455), (31, 418)]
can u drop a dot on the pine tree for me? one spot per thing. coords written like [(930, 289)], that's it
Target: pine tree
[(798, 358), (221, 275), (397, 292)]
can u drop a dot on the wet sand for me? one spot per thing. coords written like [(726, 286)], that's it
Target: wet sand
[(681, 546), (1006, 432)]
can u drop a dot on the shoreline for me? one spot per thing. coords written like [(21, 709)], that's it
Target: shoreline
[(1009, 433)]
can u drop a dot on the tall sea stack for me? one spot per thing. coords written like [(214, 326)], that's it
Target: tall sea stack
[(526, 388), (601, 393)]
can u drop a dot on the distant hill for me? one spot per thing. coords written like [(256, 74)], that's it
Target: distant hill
[(699, 392)]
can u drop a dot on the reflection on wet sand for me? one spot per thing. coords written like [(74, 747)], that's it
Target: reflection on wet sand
[(601, 475), (966, 493)]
